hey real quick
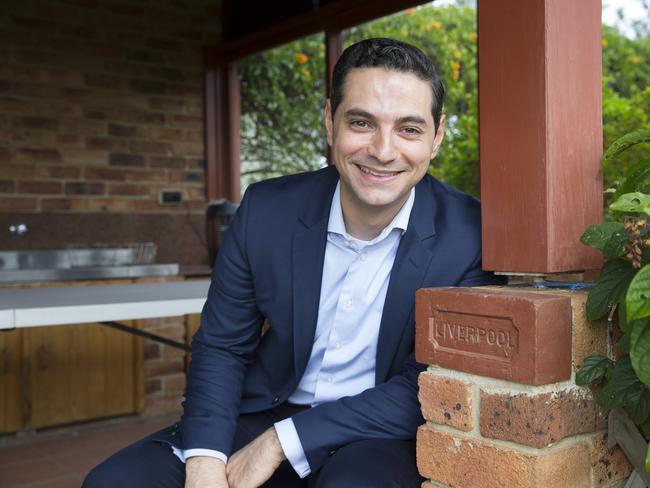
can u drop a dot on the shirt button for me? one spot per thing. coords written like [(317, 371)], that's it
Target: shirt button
[(330, 379), (348, 303), (276, 399), (337, 345), (363, 256)]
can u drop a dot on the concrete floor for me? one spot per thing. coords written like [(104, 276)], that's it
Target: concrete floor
[(60, 458)]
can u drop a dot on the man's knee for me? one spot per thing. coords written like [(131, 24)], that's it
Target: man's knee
[(145, 463), (128, 470), (104, 475)]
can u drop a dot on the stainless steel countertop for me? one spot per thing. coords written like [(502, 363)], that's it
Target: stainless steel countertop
[(87, 273)]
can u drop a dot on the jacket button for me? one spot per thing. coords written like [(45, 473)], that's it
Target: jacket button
[(276, 399), (332, 452)]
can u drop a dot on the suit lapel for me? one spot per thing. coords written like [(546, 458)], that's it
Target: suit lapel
[(414, 257), (308, 253), (412, 261)]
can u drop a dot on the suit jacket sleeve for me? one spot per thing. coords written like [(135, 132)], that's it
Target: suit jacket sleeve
[(389, 410), (222, 347)]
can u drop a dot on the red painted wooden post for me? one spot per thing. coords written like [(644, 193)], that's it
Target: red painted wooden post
[(212, 139), (222, 138), (540, 133), (232, 128), (333, 50)]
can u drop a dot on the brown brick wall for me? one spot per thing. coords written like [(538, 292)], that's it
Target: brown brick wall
[(486, 431), (164, 366), (101, 107)]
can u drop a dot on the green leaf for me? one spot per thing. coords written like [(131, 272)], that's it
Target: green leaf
[(623, 343), (598, 235), (640, 349), (645, 428), (647, 459), (632, 202), (593, 369), (623, 323), (611, 396), (615, 245), (628, 140), (637, 299), (637, 403), (622, 383), (637, 179), (610, 288)]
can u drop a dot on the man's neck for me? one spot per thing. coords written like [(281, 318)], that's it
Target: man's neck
[(366, 222)]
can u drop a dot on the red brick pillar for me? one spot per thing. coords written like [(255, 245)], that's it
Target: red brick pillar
[(501, 406)]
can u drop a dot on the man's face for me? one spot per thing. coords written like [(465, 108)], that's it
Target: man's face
[(382, 138)]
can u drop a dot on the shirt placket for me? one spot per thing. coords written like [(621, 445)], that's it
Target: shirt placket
[(345, 319)]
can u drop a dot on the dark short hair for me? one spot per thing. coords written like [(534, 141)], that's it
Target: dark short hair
[(392, 55)]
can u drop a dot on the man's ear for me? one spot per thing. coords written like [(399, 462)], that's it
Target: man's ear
[(440, 135), (328, 121)]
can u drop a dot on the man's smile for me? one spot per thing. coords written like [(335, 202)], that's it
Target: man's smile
[(377, 173)]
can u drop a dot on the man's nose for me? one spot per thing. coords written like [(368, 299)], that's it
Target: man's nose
[(383, 147)]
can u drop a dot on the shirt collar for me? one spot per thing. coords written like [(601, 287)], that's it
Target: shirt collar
[(336, 223)]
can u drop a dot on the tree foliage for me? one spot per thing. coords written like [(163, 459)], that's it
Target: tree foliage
[(282, 96), (283, 93), (626, 98)]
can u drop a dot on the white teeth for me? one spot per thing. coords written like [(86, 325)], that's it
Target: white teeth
[(380, 175)]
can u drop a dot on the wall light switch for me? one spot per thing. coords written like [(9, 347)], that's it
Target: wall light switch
[(170, 197)]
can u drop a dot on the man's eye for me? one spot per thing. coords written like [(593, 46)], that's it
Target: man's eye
[(412, 131), (361, 124)]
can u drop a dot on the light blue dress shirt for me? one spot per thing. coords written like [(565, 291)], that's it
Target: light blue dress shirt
[(353, 290)]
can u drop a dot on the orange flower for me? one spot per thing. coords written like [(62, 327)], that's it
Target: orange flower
[(409, 11), (455, 70), (301, 58), (604, 42), (433, 25)]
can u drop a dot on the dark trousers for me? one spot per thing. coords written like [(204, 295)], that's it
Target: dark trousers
[(372, 463)]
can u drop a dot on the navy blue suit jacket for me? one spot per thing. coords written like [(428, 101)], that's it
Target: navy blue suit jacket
[(270, 267)]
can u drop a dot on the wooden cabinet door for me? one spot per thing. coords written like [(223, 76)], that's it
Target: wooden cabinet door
[(81, 372), (13, 400), (68, 373)]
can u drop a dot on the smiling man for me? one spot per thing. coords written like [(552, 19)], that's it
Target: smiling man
[(383, 135), (326, 396)]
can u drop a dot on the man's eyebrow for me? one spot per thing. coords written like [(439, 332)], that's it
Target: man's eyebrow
[(357, 112), (412, 119), (407, 119)]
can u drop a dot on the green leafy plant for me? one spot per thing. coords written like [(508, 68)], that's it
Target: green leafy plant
[(623, 288)]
